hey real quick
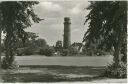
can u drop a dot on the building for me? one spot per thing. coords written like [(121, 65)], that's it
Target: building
[(67, 33)]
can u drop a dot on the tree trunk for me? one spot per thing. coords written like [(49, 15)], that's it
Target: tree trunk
[(0, 47), (117, 57), (11, 59), (117, 48), (9, 52)]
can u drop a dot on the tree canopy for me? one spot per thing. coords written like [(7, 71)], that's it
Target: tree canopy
[(108, 25), (15, 17)]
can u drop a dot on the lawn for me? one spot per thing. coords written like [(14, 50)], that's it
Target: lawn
[(58, 69), (64, 61)]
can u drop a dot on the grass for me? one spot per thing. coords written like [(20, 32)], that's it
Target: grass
[(64, 61), (57, 69), (52, 74)]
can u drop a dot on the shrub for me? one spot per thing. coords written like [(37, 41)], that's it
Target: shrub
[(42, 51), (114, 71), (5, 64), (28, 51), (49, 51), (65, 52), (70, 51), (73, 51), (25, 51), (20, 51)]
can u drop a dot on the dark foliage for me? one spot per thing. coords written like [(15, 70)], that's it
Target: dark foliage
[(29, 51), (48, 51), (15, 17), (42, 51), (58, 47), (114, 71), (5, 64), (94, 52), (108, 29), (65, 52), (107, 25), (73, 51)]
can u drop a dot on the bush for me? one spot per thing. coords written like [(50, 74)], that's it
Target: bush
[(88, 51), (5, 64), (49, 51), (25, 51), (42, 51), (20, 51), (73, 51), (114, 71), (28, 51), (65, 52), (70, 51)]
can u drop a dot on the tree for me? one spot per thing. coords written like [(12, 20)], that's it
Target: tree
[(58, 46), (40, 42), (28, 46), (32, 45), (30, 41), (0, 48), (73, 51), (92, 49), (16, 16), (108, 24), (77, 45), (47, 51)]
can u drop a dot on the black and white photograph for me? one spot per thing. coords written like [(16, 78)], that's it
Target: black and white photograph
[(63, 41)]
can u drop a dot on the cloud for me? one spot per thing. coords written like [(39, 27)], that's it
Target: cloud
[(54, 12), (75, 30), (75, 10), (79, 7), (57, 27), (51, 6)]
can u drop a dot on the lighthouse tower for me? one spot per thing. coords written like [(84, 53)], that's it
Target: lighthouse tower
[(67, 33)]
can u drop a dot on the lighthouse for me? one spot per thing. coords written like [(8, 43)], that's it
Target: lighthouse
[(67, 33)]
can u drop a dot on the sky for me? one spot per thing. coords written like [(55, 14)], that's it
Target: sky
[(51, 29)]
